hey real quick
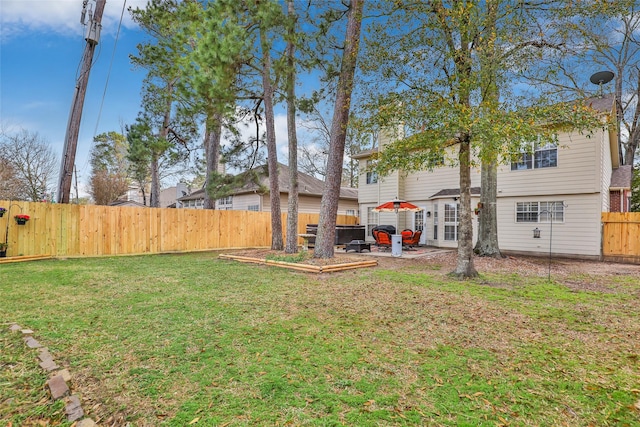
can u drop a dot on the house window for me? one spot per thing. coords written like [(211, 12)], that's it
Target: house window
[(543, 156), (372, 177), (451, 220), (226, 203), (435, 221), (540, 211), (254, 208), (372, 220), (351, 212)]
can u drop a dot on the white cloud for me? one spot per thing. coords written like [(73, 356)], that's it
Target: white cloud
[(20, 17)]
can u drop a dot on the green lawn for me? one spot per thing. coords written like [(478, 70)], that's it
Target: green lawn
[(180, 339)]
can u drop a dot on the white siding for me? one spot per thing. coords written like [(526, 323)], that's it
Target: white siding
[(578, 171), (367, 193), (578, 234), (605, 166), (241, 202)]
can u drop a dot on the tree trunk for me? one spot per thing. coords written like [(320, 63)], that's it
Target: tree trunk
[(154, 197), (272, 154), (465, 267), (331, 196), (487, 244), (212, 136), (292, 208)]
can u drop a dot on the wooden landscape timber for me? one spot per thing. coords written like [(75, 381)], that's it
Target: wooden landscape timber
[(303, 267)]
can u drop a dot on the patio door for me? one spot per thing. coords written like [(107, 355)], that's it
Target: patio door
[(420, 222)]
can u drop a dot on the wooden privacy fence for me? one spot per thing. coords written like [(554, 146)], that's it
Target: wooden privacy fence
[(73, 230), (621, 236)]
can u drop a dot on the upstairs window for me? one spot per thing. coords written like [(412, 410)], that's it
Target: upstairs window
[(543, 156), (372, 176)]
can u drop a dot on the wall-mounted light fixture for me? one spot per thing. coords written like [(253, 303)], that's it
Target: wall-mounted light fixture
[(455, 198), (536, 233), (428, 214)]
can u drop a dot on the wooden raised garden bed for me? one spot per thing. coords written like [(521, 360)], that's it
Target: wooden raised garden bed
[(303, 267)]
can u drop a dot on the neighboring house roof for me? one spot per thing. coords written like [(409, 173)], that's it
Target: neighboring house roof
[(364, 154), (196, 195), (450, 192), (621, 178), (307, 185), (127, 203)]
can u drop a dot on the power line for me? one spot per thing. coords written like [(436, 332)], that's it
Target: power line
[(106, 84), (113, 54)]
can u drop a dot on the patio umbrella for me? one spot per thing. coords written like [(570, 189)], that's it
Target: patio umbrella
[(396, 206)]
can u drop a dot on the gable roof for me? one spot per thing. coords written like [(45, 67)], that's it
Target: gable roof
[(451, 192), (307, 184), (621, 178), (603, 104)]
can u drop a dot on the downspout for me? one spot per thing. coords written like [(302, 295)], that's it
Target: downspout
[(622, 200)]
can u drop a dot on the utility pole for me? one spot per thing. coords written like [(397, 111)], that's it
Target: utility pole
[(94, 25)]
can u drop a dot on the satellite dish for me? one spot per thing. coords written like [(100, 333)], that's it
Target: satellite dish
[(601, 77)]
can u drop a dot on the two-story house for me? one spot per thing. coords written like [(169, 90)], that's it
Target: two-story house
[(553, 196)]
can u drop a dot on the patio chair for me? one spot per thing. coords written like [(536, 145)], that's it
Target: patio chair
[(383, 239), (413, 240), (406, 236)]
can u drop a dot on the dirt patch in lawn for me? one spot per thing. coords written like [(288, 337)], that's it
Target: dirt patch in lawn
[(581, 275)]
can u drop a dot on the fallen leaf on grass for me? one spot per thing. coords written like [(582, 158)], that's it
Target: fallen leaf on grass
[(637, 405), (195, 420)]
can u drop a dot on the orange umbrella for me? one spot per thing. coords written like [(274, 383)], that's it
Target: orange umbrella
[(396, 206)]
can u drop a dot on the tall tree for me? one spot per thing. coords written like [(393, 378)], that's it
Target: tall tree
[(272, 153), (109, 167), (167, 130), (292, 205), (329, 204), (598, 36), (32, 164), (217, 46), (487, 243), (449, 71)]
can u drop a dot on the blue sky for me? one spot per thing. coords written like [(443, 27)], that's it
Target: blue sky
[(40, 51), (41, 45)]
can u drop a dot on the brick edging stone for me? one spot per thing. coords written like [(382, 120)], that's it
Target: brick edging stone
[(59, 380)]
